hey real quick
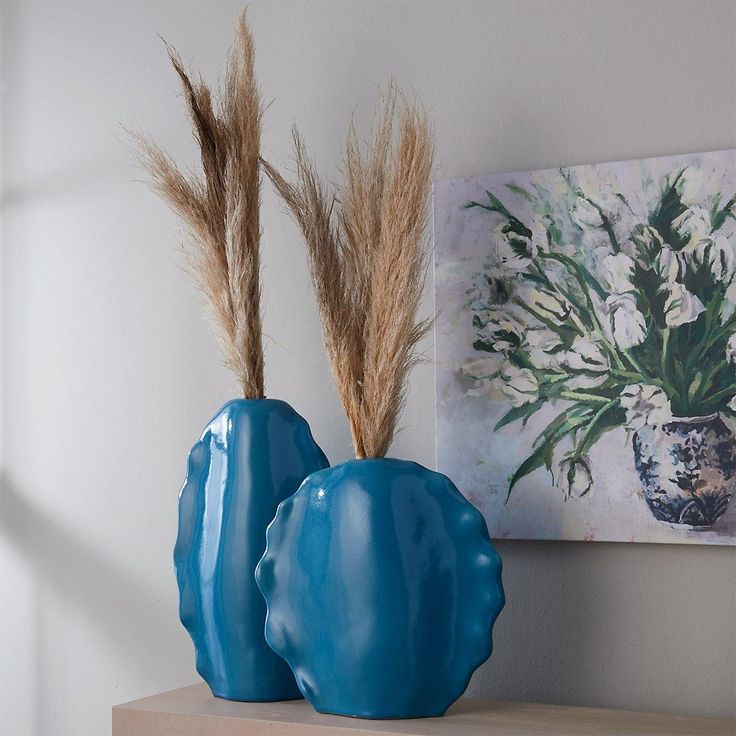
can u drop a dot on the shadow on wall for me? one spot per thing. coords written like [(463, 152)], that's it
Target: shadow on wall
[(544, 601), (85, 178), (100, 590), (619, 626)]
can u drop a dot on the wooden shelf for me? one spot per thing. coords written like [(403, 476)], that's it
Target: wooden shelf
[(192, 711)]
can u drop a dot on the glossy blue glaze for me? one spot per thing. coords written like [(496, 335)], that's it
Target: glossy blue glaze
[(252, 456), (382, 589)]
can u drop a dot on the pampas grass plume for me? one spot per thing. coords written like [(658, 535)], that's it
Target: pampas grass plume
[(367, 255), (221, 205)]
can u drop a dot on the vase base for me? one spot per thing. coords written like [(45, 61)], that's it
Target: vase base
[(676, 526), (241, 698), (378, 716), (699, 513)]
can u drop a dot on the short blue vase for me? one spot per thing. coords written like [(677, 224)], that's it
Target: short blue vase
[(252, 455), (382, 589)]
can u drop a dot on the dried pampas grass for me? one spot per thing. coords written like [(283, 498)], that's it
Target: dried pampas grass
[(365, 241), (221, 206)]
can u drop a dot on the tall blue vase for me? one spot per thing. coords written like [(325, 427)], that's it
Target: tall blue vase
[(252, 456), (382, 589)]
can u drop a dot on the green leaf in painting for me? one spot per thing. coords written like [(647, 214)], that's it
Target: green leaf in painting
[(679, 371), (603, 421), (519, 412), (514, 223), (534, 461), (549, 456), (670, 207), (484, 346), (520, 190), (695, 385), (498, 205), (572, 413), (542, 455), (585, 278), (722, 215)]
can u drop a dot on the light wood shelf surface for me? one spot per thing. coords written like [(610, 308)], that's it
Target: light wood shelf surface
[(192, 711)]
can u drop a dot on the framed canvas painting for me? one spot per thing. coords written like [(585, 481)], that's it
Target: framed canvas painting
[(586, 349)]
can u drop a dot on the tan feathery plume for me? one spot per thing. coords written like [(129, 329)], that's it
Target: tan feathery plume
[(221, 207), (365, 241)]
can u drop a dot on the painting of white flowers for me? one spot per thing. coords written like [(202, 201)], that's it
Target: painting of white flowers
[(586, 349)]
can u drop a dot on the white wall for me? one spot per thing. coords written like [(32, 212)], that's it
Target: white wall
[(109, 371)]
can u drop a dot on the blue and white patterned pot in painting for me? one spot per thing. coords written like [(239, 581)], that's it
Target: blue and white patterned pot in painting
[(252, 455), (382, 589), (687, 468)]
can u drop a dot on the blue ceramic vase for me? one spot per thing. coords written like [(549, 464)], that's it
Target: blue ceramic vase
[(382, 589), (252, 456)]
